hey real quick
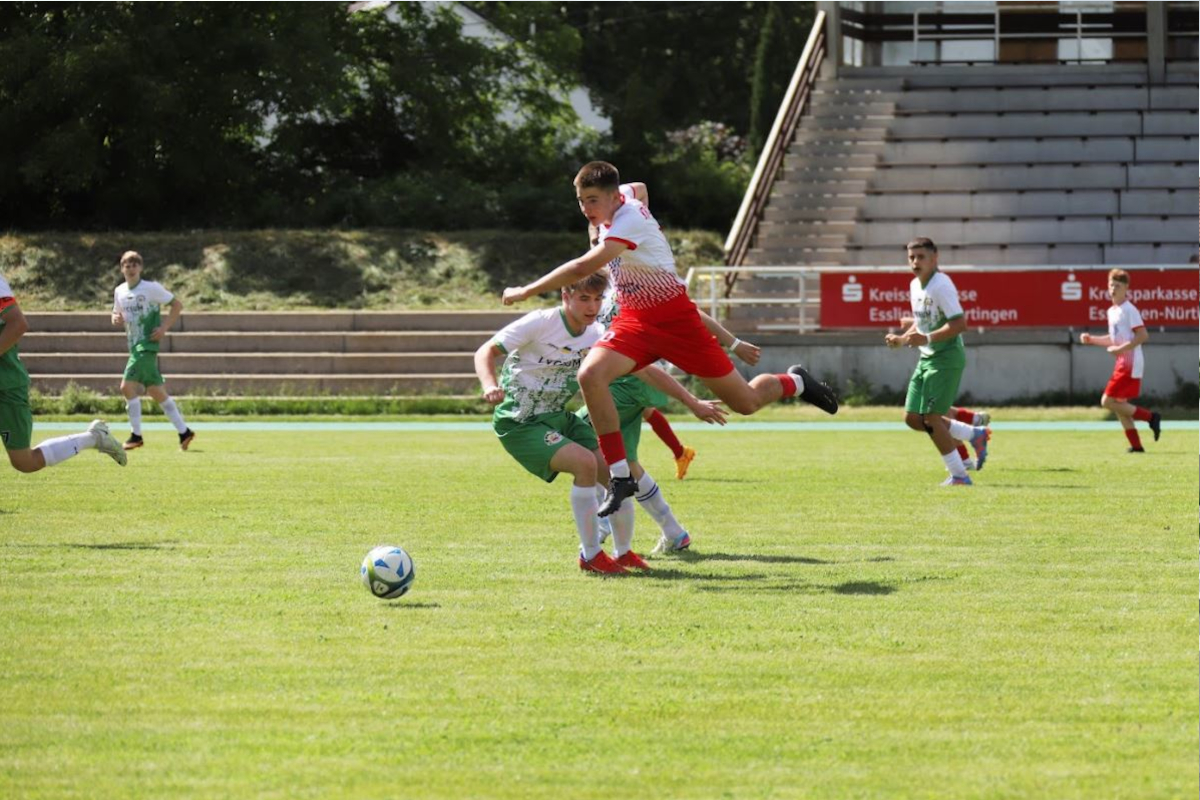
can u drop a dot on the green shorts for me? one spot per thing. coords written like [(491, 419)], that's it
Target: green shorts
[(632, 396), (16, 418), (932, 389), (534, 442), (143, 368)]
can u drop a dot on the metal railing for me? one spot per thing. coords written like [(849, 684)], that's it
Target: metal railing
[(775, 148), (806, 300)]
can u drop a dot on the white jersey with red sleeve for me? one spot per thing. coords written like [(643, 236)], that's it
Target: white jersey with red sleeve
[(1123, 321), (644, 275)]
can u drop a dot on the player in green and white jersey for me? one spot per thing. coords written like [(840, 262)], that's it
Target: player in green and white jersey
[(16, 416), (137, 304), (542, 352), (937, 328)]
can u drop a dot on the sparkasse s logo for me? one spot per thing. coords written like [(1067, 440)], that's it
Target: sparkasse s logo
[(852, 290), (1071, 288)]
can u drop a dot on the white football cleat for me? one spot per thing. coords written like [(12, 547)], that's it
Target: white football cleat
[(982, 419), (106, 443)]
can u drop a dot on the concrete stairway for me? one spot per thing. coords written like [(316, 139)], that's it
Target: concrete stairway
[(335, 352), (997, 164)]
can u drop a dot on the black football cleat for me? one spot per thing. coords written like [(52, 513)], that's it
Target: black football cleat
[(1156, 424), (815, 392), (1135, 450), (618, 490)]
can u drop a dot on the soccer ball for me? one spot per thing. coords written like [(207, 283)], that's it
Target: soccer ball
[(387, 572)]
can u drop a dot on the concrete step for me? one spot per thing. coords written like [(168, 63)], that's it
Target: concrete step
[(447, 383), (779, 213), (1157, 201), (290, 321), (1071, 150), (830, 108), (257, 363), (267, 342), (1169, 123), (973, 205), (802, 158), (1008, 177), (1098, 97), (947, 127)]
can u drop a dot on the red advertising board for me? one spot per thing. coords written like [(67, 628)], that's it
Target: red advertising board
[(1047, 298)]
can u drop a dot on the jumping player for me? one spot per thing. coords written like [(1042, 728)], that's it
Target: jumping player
[(1126, 335), (657, 321), (542, 352)]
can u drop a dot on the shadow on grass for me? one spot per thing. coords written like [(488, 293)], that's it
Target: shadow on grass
[(124, 545), (863, 587), (400, 605), (795, 586), (692, 556)]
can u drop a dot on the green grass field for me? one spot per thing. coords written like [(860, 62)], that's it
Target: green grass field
[(193, 625)]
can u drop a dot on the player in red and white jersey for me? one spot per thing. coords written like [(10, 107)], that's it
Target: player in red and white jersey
[(657, 321), (1126, 335)]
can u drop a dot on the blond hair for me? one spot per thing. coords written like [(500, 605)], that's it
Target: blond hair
[(1119, 275)]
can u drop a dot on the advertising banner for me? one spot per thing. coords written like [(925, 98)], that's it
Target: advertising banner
[(1016, 299)]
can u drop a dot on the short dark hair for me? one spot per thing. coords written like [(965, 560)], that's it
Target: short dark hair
[(595, 283), (922, 242), (598, 175), (1119, 275)]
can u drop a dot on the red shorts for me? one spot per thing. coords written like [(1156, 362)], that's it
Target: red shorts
[(1122, 385), (673, 331)]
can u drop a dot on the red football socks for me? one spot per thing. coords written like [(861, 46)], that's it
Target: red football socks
[(788, 384), (1134, 439), (1142, 414), (659, 424), (612, 446), (965, 415)]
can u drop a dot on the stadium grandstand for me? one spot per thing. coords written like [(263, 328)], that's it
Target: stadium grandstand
[(1015, 135)]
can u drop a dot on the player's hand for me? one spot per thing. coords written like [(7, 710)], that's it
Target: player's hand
[(914, 339), (709, 411), (158, 333), (117, 319), (494, 395), (1115, 349), (748, 353), (513, 294), (893, 341), (1085, 338)]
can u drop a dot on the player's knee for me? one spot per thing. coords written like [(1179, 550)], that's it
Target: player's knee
[(744, 405), (915, 421), (25, 461)]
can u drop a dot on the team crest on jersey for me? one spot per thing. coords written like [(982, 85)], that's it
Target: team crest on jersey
[(552, 438)]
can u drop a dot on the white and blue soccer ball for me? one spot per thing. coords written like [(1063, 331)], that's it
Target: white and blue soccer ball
[(387, 572)]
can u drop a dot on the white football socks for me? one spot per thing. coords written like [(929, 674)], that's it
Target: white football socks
[(134, 406), (651, 499), (960, 430), (60, 448), (954, 463), (583, 507), (172, 411), (619, 469), (622, 525)]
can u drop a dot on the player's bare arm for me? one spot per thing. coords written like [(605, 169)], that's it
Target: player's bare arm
[(709, 411), (747, 352), (172, 318), (574, 270), (15, 326), (485, 370), (1100, 341), (952, 328)]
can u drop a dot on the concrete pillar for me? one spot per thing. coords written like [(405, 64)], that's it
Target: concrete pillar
[(833, 37), (1156, 42)]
